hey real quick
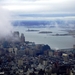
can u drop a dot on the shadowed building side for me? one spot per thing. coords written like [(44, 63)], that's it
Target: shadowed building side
[(22, 38)]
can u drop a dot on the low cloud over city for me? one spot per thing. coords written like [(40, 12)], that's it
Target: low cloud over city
[(5, 25)]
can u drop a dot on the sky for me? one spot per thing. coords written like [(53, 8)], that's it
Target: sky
[(39, 6)]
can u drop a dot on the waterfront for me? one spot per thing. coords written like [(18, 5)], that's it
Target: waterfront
[(55, 42)]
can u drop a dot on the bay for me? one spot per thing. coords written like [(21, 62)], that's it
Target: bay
[(55, 42)]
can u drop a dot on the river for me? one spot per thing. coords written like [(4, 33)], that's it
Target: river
[(55, 42)]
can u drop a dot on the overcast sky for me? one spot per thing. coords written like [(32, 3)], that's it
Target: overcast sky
[(43, 9), (39, 6)]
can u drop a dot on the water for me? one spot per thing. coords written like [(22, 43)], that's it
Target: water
[(55, 42)]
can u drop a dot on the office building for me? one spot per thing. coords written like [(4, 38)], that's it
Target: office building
[(22, 38)]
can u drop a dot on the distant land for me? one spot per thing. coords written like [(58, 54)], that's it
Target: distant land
[(43, 23), (61, 34), (31, 30), (44, 15)]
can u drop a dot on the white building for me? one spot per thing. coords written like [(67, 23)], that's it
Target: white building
[(20, 62)]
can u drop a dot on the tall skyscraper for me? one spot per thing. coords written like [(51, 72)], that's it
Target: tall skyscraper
[(22, 38), (16, 34), (74, 47)]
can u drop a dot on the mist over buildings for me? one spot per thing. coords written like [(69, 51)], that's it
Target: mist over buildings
[(5, 24), (6, 28)]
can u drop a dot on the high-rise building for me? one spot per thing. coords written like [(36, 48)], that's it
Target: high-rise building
[(44, 62), (74, 47), (50, 53), (16, 34), (10, 50), (21, 52), (20, 62), (65, 56), (15, 51), (22, 38)]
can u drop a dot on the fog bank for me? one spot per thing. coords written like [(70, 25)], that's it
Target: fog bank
[(5, 24)]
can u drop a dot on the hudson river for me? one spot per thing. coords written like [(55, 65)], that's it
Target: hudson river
[(55, 42)]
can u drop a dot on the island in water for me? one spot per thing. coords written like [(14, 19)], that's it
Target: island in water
[(60, 34), (45, 32), (31, 30)]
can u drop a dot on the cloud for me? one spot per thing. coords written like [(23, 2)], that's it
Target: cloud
[(38, 6), (5, 24), (43, 16)]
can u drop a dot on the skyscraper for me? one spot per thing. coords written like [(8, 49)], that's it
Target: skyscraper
[(16, 34), (22, 38)]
